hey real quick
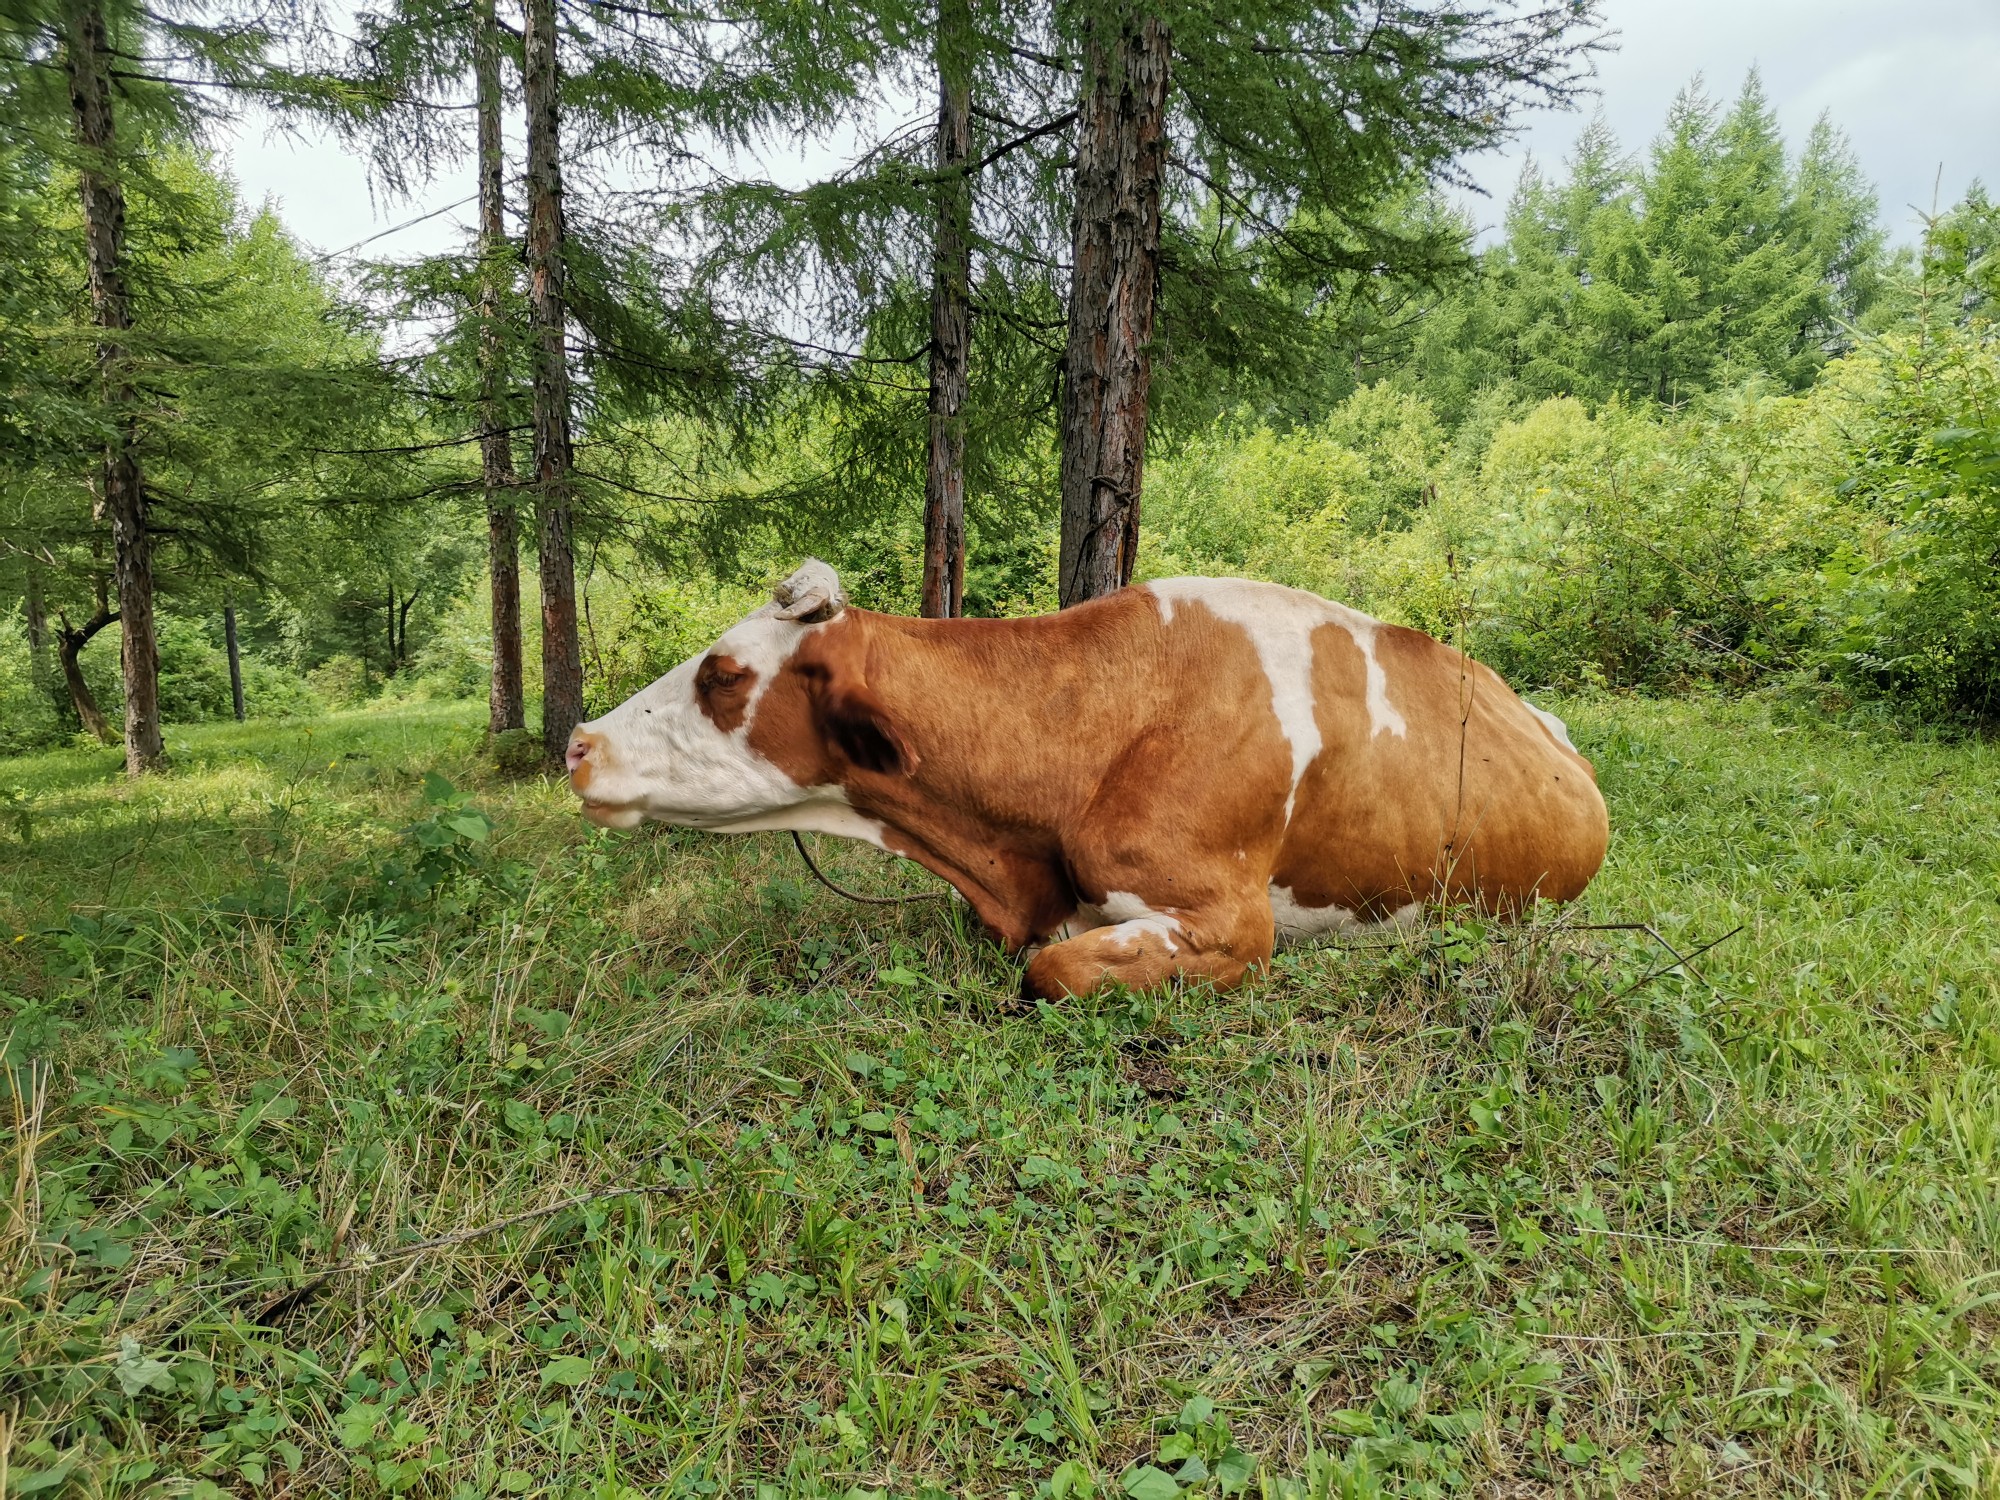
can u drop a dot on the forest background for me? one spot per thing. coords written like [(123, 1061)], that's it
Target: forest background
[(1689, 421)]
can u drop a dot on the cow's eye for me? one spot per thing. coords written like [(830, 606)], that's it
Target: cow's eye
[(715, 677)]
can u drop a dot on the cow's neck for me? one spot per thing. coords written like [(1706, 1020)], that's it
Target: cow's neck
[(1016, 724)]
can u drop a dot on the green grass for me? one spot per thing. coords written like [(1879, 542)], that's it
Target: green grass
[(351, 1160)]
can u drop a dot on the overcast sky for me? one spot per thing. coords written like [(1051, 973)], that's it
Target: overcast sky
[(1914, 83)]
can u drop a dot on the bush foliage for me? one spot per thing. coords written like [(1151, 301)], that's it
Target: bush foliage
[(1846, 536)]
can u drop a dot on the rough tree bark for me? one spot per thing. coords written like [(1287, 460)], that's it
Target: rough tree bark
[(121, 496), (562, 655), (1114, 281), (951, 321), (235, 656), (506, 707), (70, 641)]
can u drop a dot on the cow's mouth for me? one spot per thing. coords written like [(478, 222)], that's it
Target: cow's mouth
[(613, 815)]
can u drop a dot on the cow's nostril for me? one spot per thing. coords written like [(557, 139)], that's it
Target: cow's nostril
[(578, 749)]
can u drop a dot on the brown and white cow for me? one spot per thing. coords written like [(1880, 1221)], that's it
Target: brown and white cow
[(1164, 781)]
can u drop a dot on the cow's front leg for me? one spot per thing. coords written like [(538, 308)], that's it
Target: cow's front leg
[(1145, 947)]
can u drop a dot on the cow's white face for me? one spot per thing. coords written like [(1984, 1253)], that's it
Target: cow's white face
[(679, 751)]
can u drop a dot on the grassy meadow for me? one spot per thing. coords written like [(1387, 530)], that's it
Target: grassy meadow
[(381, 1134)]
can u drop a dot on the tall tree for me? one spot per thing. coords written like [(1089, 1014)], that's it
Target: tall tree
[(562, 657), (505, 706), (1713, 259), (951, 319), (1259, 148), (1121, 164), (121, 495)]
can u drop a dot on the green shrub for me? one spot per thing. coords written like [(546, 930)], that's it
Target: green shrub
[(456, 659), (1564, 547), (1913, 596), (341, 682), (194, 674), (28, 715)]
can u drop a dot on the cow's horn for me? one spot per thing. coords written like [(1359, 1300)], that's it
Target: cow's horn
[(811, 594)]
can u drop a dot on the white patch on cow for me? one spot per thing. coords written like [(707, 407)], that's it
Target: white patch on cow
[(826, 811), (1382, 715), (1551, 723), (664, 759), (1133, 918), (1297, 924), (1128, 917), (1280, 623)]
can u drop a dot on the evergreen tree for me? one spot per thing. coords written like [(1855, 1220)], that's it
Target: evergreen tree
[(506, 707), (1714, 260), (99, 88), (262, 403), (1121, 169), (951, 319), (562, 657), (121, 496), (1962, 254), (1295, 125)]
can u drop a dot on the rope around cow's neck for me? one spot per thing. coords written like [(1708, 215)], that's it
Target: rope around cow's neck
[(821, 876)]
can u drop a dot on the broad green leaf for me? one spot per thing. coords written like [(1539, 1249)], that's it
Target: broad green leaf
[(1198, 1410), (1233, 1470), (1149, 1483), (137, 1373), (567, 1370), (39, 1481), (357, 1423), (1071, 1478)]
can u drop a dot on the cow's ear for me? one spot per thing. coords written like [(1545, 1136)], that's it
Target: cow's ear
[(855, 720), (846, 712)]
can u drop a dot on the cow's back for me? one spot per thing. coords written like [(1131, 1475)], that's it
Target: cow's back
[(1419, 774)]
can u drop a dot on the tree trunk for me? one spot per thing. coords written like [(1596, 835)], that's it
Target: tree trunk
[(69, 646), (1114, 281), (562, 655), (506, 708), (121, 495), (235, 657), (389, 614), (951, 322), (41, 666), (403, 627)]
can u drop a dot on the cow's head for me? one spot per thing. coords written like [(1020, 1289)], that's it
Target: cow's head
[(776, 713)]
